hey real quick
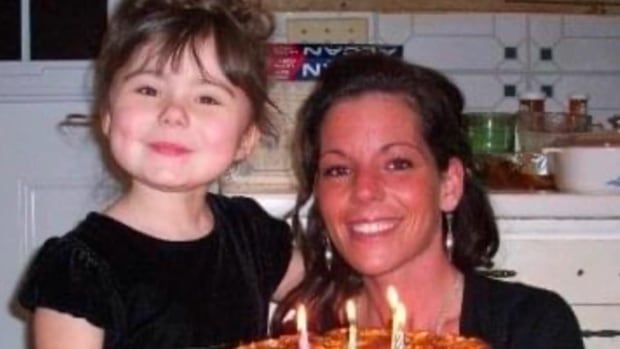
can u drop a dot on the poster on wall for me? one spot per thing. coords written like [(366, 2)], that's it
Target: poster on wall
[(293, 69)]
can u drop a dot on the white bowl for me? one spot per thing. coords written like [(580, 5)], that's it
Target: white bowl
[(585, 169)]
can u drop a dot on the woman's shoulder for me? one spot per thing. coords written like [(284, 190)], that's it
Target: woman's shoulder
[(520, 313), (512, 294)]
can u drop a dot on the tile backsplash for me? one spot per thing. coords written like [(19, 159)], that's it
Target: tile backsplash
[(494, 57)]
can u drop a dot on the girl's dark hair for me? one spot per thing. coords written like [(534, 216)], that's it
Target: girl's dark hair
[(440, 104), (239, 28)]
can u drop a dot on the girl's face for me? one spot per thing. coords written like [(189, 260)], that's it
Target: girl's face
[(378, 188), (178, 128)]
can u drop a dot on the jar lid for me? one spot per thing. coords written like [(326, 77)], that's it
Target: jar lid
[(532, 95), (579, 96)]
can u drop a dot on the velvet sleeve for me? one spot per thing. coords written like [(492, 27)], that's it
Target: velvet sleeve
[(68, 277)]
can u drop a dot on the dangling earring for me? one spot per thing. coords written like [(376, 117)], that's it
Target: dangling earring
[(329, 254), (449, 243)]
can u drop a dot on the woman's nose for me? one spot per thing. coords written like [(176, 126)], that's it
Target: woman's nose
[(368, 186), (174, 114)]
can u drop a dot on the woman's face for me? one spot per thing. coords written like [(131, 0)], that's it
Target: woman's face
[(378, 188)]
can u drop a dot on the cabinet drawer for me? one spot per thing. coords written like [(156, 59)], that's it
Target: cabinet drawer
[(583, 270), (600, 325)]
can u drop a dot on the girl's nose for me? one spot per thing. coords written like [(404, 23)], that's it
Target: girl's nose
[(174, 114), (368, 186)]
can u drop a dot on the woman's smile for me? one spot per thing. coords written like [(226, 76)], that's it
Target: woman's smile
[(374, 227)]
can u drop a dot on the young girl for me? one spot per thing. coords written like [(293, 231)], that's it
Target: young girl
[(180, 96)]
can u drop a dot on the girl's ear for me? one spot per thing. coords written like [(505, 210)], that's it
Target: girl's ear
[(451, 188), (249, 140)]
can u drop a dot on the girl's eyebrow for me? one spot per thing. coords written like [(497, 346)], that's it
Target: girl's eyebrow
[(203, 80), (224, 86)]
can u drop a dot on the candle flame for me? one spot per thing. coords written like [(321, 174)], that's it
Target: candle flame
[(392, 297), (301, 319), (350, 310)]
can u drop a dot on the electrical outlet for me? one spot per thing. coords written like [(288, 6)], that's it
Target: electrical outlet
[(327, 30)]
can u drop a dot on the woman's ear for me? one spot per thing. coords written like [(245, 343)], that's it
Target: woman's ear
[(105, 124), (452, 184), (249, 140)]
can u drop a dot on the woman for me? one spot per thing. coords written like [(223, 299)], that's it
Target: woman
[(380, 147)]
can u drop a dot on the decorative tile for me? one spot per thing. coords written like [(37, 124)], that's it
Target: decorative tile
[(510, 91), (545, 30), (485, 92), (393, 28), (542, 82), (547, 90), (592, 26), (461, 24), (510, 29), (588, 54), (455, 53), (546, 54), (510, 52)]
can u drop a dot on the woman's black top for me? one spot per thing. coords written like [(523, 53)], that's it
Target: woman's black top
[(516, 316), (150, 293)]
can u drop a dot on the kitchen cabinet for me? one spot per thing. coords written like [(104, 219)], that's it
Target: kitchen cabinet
[(50, 178), (534, 6), (572, 247), (50, 170)]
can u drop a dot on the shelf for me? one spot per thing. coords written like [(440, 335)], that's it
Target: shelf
[(533, 6)]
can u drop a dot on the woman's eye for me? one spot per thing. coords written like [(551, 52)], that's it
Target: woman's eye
[(147, 91), (399, 164), (335, 171), (208, 100)]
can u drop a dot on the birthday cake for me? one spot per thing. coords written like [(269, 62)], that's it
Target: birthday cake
[(372, 338)]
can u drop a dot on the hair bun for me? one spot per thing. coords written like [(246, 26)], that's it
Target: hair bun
[(254, 18)]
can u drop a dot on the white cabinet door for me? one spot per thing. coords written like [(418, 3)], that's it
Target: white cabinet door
[(583, 268), (49, 178)]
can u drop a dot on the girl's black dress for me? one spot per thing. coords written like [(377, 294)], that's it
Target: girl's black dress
[(150, 293)]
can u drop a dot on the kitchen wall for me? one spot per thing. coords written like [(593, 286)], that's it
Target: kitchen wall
[(494, 57)]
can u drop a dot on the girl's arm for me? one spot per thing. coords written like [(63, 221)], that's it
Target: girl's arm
[(292, 277), (56, 330)]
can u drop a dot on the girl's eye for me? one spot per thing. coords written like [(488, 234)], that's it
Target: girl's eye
[(399, 164), (335, 171), (209, 100), (147, 91)]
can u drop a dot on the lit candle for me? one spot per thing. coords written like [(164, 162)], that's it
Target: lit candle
[(398, 327), (302, 327), (392, 297), (352, 319)]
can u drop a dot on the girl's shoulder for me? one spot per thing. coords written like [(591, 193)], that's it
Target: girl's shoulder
[(67, 274), (241, 209)]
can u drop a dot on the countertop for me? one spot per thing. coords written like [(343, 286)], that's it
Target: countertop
[(532, 213)]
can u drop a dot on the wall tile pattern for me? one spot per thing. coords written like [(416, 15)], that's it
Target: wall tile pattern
[(494, 57)]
